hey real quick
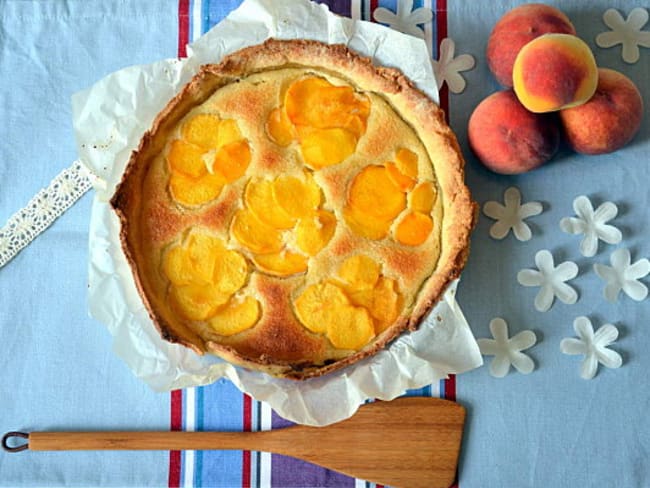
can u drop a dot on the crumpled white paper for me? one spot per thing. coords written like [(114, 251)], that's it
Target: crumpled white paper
[(109, 120)]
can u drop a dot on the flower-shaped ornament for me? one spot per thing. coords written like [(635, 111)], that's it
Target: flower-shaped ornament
[(511, 215), (551, 279), (626, 32), (593, 224), (622, 275), (593, 346), (448, 67), (507, 351), (406, 19)]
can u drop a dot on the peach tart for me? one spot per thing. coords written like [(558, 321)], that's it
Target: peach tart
[(294, 209)]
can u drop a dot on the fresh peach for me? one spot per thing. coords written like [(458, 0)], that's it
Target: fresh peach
[(609, 120), (517, 28), (553, 72), (507, 138)]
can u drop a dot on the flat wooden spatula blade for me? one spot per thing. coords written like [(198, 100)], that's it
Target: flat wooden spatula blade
[(410, 442)]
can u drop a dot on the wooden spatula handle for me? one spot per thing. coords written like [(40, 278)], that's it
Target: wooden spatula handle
[(152, 441)]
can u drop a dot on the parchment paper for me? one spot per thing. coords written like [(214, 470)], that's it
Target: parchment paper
[(109, 120)]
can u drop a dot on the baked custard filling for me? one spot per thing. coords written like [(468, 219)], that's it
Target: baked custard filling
[(286, 214), (288, 217)]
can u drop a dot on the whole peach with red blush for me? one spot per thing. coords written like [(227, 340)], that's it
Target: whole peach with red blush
[(509, 139), (554, 71), (609, 120), (517, 28)]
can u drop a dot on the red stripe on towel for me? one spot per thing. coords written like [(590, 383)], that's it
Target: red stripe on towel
[(183, 27), (373, 6), (176, 423), (246, 455)]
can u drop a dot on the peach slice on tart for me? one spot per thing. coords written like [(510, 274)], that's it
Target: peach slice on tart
[(203, 274), (326, 120), (237, 316), (314, 232), (210, 153), (352, 309)]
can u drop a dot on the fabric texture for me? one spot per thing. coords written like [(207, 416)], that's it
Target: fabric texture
[(58, 370), (550, 427)]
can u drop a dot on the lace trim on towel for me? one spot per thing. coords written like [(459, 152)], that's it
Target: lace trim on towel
[(43, 209)]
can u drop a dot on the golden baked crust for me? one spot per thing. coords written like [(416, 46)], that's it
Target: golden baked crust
[(278, 327)]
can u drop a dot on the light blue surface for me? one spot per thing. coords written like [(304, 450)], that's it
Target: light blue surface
[(219, 409), (553, 428), (547, 429), (58, 369)]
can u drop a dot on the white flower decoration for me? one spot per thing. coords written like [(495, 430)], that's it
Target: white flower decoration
[(626, 32), (507, 351), (593, 346), (551, 280), (593, 224), (624, 276), (511, 216), (406, 19), (448, 68)]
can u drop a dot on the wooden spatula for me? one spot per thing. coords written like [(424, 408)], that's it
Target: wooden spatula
[(408, 442)]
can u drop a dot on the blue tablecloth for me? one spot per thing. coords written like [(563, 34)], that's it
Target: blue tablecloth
[(549, 428)]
